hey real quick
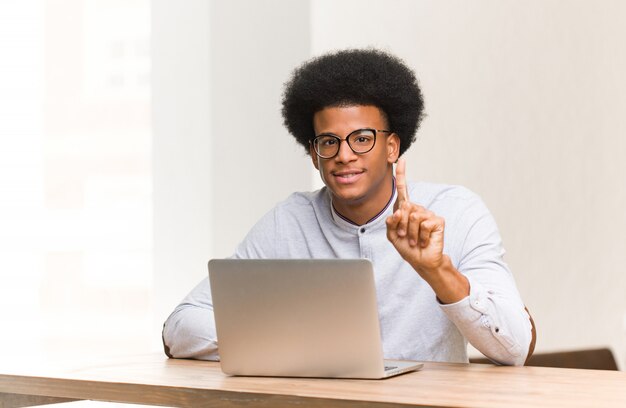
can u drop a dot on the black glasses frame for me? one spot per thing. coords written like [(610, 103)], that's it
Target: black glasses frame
[(339, 140)]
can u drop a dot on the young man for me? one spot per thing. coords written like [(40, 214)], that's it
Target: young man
[(437, 254)]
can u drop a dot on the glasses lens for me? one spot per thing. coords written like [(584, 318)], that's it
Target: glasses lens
[(326, 146), (362, 140)]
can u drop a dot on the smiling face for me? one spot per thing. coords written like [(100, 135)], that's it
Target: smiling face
[(360, 184)]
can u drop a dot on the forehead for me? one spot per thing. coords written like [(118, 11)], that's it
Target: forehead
[(345, 119)]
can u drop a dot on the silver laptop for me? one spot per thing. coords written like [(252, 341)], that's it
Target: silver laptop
[(299, 318)]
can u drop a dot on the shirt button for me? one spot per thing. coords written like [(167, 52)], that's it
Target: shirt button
[(362, 230)]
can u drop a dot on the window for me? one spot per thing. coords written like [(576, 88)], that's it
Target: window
[(75, 175)]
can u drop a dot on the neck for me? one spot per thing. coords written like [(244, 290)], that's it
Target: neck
[(367, 209)]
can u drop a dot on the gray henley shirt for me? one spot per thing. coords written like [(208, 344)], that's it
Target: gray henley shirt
[(414, 325)]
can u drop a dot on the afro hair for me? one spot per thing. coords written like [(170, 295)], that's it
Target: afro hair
[(351, 78)]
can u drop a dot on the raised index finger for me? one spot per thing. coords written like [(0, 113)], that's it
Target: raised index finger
[(403, 193)]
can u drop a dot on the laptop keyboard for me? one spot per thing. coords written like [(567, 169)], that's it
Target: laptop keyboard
[(387, 368)]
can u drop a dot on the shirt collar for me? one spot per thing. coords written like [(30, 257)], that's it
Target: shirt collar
[(344, 220)]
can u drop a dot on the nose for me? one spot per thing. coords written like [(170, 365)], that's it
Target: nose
[(345, 153)]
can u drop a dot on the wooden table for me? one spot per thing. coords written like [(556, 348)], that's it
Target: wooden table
[(155, 380)]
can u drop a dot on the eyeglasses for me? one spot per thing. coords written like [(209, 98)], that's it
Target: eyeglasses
[(360, 141)]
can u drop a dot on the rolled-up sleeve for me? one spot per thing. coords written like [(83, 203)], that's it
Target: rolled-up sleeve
[(189, 332), (493, 317), (499, 329)]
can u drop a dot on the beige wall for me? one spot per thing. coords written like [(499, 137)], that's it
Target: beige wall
[(526, 103)]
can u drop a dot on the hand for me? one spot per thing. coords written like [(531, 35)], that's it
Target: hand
[(415, 232)]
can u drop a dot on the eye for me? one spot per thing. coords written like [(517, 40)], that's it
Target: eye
[(329, 141), (362, 138)]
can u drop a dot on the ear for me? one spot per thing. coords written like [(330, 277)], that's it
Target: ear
[(393, 148), (314, 157)]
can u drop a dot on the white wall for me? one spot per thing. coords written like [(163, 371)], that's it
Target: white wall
[(254, 47), (221, 157), (525, 104), (181, 113)]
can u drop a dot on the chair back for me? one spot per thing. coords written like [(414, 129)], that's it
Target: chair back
[(594, 359)]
